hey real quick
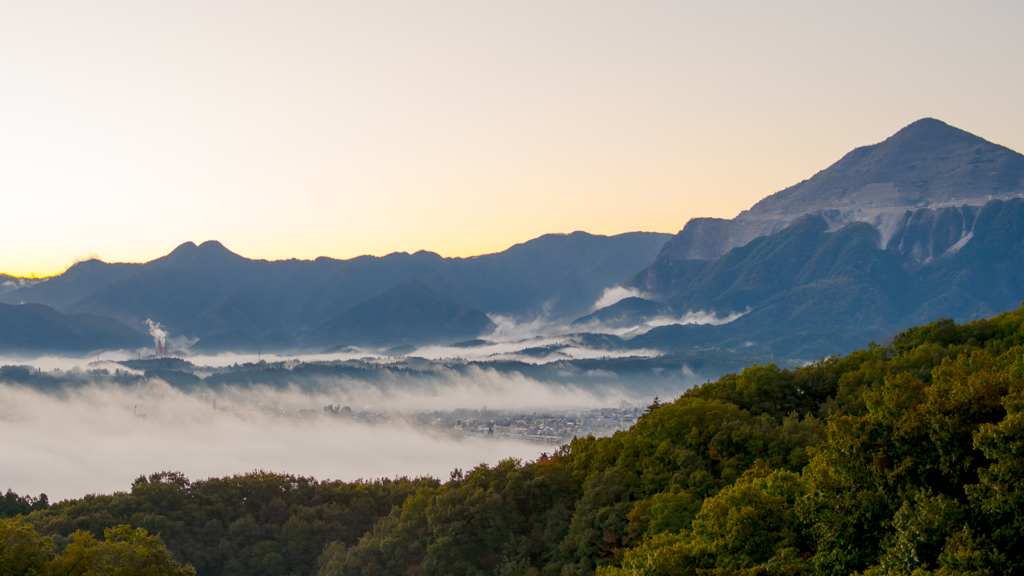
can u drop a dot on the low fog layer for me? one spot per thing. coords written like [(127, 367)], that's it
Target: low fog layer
[(538, 340), (99, 437)]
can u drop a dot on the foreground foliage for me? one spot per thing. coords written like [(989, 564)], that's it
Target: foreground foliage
[(897, 459), (122, 552)]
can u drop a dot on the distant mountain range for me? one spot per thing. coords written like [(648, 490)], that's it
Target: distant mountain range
[(927, 223), (230, 302)]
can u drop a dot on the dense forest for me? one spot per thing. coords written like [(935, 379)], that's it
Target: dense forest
[(895, 459)]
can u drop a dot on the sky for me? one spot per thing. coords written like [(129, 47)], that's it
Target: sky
[(305, 129)]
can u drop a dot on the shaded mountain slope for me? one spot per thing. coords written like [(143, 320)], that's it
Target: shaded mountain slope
[(32, 328), (163, 295), (576, 269), (234, 313), (409, 313), (810, 292), (76, 283), (625, 313), (806, 292), (983, 278)]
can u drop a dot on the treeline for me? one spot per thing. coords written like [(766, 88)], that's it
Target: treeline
[(259, 523), (897, 459), (12, 504)]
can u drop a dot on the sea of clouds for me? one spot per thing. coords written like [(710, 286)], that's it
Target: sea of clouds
[(98, 437)]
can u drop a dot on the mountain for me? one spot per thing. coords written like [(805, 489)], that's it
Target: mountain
[(625, 313), (807, 291), (207, 291), (77, 282), (929, 223), (561, 275), (921, 189), (33, 328), (409, 313), (9, 283)]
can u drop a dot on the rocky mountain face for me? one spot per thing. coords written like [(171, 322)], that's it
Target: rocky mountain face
[(921, 189)]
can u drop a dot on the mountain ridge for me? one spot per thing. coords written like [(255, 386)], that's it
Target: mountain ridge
[(186, 290), (409, 313), (36, 328)]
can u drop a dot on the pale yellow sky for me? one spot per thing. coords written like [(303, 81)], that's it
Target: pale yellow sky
[(301, 129)]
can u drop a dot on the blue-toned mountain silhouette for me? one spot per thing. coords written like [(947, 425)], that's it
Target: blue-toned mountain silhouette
[(34, 328), (230, 302)]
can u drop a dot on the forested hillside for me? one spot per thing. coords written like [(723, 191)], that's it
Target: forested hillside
[(895, 458)]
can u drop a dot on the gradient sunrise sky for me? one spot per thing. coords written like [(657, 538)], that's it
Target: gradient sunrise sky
[(301, 129)]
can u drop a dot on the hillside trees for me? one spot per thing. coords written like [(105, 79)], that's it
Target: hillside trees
[(258, 523), (122, 552)]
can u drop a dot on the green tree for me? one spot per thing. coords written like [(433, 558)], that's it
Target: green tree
[(23, 552), (123, 552)]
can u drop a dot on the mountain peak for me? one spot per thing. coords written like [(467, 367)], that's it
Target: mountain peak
[(184, 248), (213, 247), (208, 253), (928, 135), (927, 124), (927, 163)]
